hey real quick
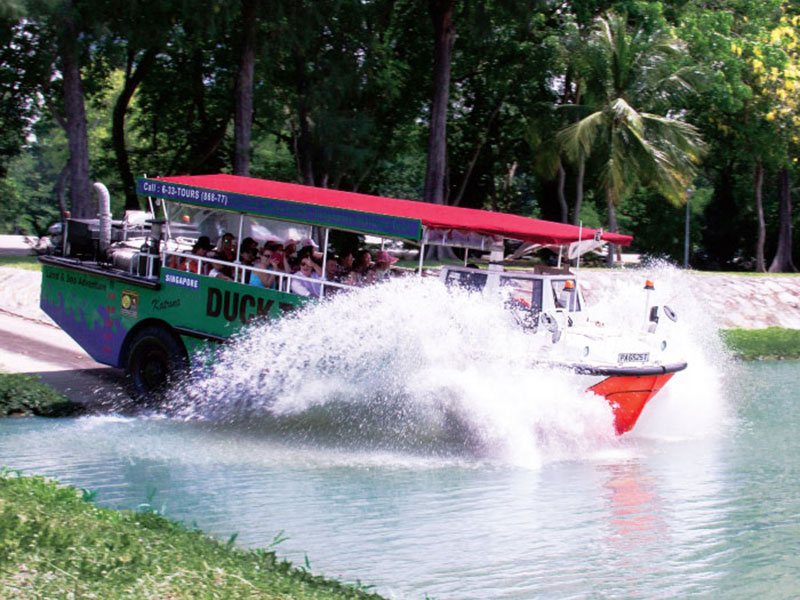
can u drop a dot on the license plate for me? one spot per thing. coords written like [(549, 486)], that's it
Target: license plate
[(627, 357)]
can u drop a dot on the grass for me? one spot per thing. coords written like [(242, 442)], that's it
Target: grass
[(54, 543), (25, 395), (29, 263), (769, 343)]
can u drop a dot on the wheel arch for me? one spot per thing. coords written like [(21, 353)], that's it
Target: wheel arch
[(152, 322)]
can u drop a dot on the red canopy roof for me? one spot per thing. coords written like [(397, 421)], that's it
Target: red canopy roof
[(430, 215)]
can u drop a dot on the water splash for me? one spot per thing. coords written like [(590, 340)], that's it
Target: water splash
[(692, 405), (411, 367)]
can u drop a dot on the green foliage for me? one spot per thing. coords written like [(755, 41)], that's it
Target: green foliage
[(342, 96), (769, 343), (23, 395), (53, 543), (633, 71)]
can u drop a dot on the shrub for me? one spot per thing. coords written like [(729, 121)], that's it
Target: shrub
[(25, 395)]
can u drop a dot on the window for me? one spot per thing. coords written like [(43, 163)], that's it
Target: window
[(526, 292), (468, 280)]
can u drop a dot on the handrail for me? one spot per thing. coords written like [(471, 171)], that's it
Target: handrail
[(284, 279)]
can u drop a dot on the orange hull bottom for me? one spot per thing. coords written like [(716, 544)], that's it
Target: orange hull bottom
[(628, 395)]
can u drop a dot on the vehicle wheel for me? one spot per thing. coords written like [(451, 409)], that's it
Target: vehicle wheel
[(153, 355)]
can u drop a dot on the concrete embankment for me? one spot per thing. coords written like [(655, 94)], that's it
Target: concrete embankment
[(732, 301)]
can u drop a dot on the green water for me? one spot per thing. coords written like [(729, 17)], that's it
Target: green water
[(708, 514)]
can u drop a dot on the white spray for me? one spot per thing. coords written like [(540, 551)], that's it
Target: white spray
[(411, 366)]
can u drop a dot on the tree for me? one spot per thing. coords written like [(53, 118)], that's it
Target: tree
[(80, 189), (243, 114), (638, 147), (782, 84), (444, 35)]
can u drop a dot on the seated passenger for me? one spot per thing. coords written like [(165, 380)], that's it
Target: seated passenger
[(310, 246), (332, 274), (346, 260), (225, 251), (250, 245), (311, 270), (265, 280), (247, 256), (201, 248), (383, 265), (359, 274)]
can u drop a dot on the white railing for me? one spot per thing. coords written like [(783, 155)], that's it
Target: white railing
[(240, 271)]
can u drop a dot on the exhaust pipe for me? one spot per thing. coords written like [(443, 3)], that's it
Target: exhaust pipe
[(104, 214)]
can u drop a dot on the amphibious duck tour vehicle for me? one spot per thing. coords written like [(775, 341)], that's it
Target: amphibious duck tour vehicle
[(133, 296)]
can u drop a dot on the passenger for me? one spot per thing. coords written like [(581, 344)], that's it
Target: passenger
[(360, 271), (346, 260), (201, 248), (311, 246), (250, 244), (332, 268), (247, 256), (272, 246), (332, 274), (226, 250), (290, 249), (279, 264), (383, 265), (265, 280), (308, 269)]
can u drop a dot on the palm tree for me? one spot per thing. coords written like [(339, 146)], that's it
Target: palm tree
[(630, 73)]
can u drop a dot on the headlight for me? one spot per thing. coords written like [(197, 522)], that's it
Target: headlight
[(663, 345)]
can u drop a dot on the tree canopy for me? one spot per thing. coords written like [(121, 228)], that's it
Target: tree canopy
[(612, 113)]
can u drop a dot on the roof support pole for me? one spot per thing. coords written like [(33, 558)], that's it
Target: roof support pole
[(324, 260), (421, 257), (238, 246)]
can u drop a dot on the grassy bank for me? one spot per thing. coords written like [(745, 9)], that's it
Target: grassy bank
[(56, 544), (770, 343), (25, 396), (29, 263)]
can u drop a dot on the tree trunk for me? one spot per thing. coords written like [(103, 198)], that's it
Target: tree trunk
[(758, 183), (303, 144), (441, 12), (576, 215), (782, 263), (243, 118), (612, 225), (132, 81), (562, 199), (80, 192)]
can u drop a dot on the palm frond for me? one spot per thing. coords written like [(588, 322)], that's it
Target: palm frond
[(578, 138)]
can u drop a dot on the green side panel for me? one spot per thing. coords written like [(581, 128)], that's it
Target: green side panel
[(98, 310), (214, 307)]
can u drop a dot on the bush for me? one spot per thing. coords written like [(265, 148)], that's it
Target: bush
[(24, 395), (772, 342)]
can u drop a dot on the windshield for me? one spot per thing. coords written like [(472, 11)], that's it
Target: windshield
[(522, 291), (565, 294), (470, 280)]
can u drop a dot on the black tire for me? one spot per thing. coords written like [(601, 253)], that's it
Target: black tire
[(153, 356)]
